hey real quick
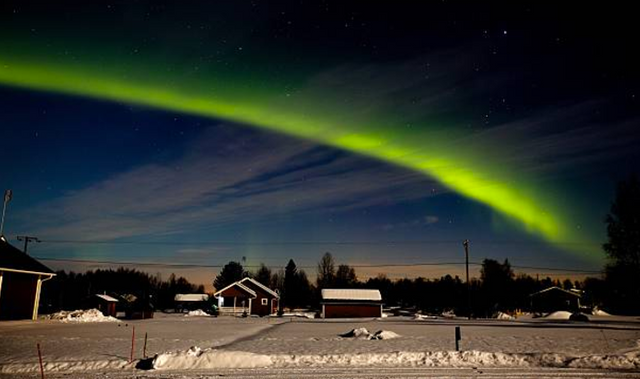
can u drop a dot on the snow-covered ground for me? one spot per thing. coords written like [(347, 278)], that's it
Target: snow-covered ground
[(183, 343)]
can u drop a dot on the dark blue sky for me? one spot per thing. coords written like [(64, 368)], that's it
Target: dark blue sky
[(150, 185)]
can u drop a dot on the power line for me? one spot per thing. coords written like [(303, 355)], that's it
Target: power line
[(316, 243), (382, 265)]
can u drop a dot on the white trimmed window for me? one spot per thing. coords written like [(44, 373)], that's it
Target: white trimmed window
[(265, 301)]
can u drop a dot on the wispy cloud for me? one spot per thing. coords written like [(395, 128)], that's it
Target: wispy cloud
[(226, 177)]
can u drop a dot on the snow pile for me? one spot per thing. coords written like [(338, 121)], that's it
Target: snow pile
[(504, 316), (385, 335), (363, 334), (197, 312), (196, 358), (424, 317), (558, 315), (599, 312), (448, 314), (89, 315)]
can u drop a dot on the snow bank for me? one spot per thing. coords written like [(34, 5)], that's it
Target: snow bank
[(599, 312), (298, 314), (558, 315), (196, 358), (89, 315), (363, 334), (504, 316), (197, 312)]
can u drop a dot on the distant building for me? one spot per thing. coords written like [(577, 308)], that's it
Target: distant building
[(104, 303), (351, 303), (21, 279), (555, 299), (247, 296), (190, 301), (136, 308)]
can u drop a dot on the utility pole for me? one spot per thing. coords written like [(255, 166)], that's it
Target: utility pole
[(8, 194), (466, 255), (26, 240)]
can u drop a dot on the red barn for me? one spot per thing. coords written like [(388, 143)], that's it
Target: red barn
[(351, 303), (21, 279), (247, 295)]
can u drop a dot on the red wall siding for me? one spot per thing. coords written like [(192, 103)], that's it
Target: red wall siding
[(18, 295), (351, 310)]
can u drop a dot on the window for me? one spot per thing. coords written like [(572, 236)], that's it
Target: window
[(265, 301)]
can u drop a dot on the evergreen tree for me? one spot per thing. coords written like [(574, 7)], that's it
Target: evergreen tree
[(231, 272), (290, 293), (263, 275), (497, 285), (346, 277), (623, 248)]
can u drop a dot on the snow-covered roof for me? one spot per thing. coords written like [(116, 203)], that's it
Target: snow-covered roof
[(107, 298), (265, 288), (555, 288), (239, 285), (191, 297), (351, 294)]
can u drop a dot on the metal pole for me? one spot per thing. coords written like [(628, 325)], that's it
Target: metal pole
[(27, 239), (466, 255), (7, 197)]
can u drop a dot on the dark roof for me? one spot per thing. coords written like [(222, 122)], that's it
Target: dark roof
[(14, 259)]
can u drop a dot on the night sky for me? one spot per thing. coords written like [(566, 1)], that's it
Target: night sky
[(194, 133)]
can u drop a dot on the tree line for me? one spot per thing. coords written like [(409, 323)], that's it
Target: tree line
[(497, 289), (70, 291)]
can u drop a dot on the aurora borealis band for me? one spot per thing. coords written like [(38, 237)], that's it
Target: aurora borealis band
[(506, 117), (465, 172)]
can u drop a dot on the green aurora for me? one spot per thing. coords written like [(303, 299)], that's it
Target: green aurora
[(372, 130)]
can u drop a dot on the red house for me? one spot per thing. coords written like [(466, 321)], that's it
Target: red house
[(21, 279), (247, 296)]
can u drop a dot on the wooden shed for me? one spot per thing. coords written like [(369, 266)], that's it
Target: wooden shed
[(21, 278), (247, 296), (337, 303), (104, 303)]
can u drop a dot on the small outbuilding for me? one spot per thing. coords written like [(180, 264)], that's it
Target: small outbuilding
[(342, 303), (190, 301), (247, 296), (555, 299), (21, 278), (104, 303)]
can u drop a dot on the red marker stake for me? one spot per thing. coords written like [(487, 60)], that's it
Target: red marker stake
[(133, 342), (40, 359), (144, 349)]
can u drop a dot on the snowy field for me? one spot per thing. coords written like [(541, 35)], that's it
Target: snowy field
[(180, 346)]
